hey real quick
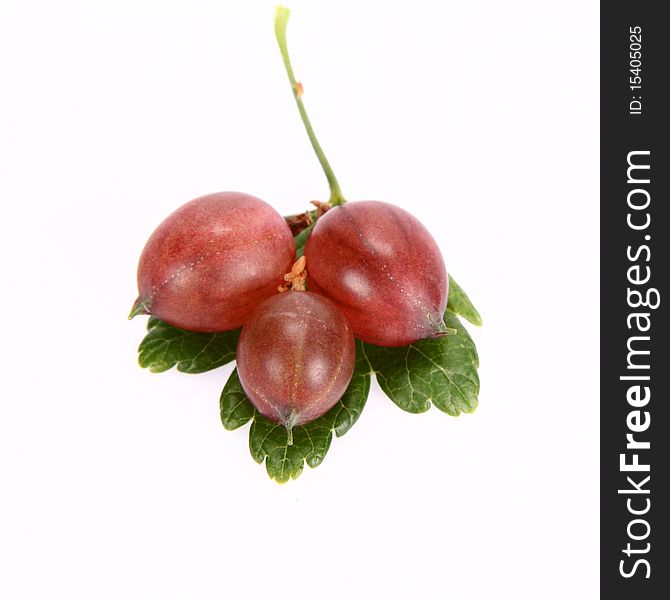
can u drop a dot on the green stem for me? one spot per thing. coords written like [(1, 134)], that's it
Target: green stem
[(281, 20)]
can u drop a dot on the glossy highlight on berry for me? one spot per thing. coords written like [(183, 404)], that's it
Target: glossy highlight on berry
[(383, 269)]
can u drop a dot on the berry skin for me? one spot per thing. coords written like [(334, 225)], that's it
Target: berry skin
[(382, 268), (295, 357), (212, 261)]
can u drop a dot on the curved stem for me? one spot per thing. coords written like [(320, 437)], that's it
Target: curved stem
[(281, 20)]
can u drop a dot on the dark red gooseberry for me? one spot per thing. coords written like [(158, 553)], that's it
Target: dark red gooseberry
[(295, 357), (382, 268), (212, 261)]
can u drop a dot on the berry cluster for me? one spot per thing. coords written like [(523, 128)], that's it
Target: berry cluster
[(223, 261), (303, 289)]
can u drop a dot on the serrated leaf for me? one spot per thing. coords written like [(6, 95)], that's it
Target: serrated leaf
[(441, 371), (460, 304), (236, 410), (165, 346), (268, 441), (313, 440), (284, 462), (342, 417)]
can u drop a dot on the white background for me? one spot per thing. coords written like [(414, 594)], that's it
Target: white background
[(479, 117)]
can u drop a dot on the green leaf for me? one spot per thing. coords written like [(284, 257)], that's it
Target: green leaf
[(460, 304), (301, 240), (268, 441), (441, 371), (236, 410), (342, 417), (165, 346)]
